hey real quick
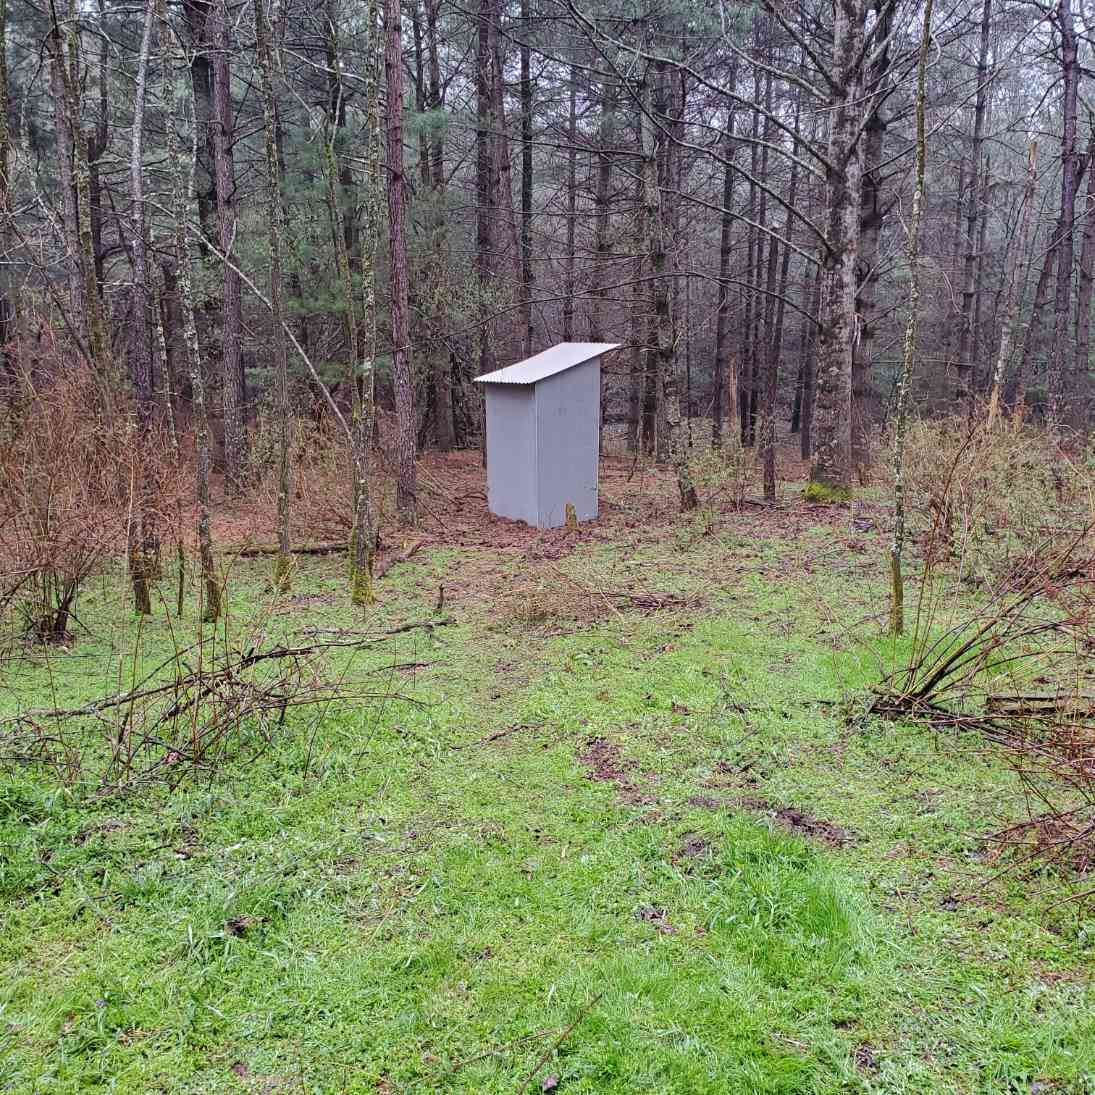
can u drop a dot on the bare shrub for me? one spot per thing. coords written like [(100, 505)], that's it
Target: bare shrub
[(68, 468), (321, 476), (983, 496), (725, 474)]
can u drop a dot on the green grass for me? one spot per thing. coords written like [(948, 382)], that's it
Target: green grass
[(429, 894)]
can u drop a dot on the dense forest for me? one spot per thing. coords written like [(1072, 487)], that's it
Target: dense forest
[(232, 218)]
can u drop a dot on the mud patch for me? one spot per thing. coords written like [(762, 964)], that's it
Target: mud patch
[(693, 846), (651, 914), (864, 1057), (706, 802), (605, 763), (797, 821)]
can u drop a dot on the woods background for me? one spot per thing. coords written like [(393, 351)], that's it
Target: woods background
[(229, 219)]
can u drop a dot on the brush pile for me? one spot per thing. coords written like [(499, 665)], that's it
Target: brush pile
[(192, 714), (1021, 673)]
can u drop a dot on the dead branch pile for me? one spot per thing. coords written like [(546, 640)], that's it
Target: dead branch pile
[(190, 715), (1021, 674)]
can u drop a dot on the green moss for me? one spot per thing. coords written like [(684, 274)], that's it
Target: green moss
[(825, 494), (283, 565)]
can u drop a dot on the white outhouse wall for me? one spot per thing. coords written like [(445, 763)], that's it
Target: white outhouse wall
[(568, 416), (511, 448)]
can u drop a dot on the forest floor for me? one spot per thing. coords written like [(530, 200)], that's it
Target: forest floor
[(620, 827)]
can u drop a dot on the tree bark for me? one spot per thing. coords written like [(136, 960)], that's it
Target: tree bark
[(569, 258), (526, 179), (444, 428), (654, 221), (897, 585), (144, 541), (233, 389), (602, 202), (1078, 415), (274, 213), (970, 288), (865, 398), (8, 308), (723, 379), (1070, 73), (182, 196), (775, 347), (831, 473), (809, 366), (406, 489), (1011, 305)]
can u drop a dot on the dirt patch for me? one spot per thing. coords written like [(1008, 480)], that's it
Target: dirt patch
[(693, 846), (605, 763), (705, 802), (864, 1057), (798, 821), (651, 914)]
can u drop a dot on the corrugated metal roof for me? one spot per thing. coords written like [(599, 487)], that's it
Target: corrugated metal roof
[(547, 363)]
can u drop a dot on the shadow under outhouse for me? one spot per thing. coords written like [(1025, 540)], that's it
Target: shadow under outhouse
[(543, 434)]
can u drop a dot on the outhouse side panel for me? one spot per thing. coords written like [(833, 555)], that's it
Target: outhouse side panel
[(511, 451), (568, 415)]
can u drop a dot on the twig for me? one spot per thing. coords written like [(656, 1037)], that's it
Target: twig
[(558, 1042)]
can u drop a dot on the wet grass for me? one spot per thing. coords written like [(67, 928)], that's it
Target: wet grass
[(584, 855)]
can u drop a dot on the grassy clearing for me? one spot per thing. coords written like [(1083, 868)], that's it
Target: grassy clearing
[(624, 848)]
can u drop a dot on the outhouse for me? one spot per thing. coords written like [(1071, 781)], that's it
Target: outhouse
[(543, 431)]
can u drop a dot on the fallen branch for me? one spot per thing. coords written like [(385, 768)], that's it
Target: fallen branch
[(558, 1042), (233, 703), (255, 551), (334, 547), (386, 563)]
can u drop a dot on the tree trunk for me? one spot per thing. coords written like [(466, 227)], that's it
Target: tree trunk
[(182, 196), (775, 346), (897, 586), (602, 202), (1015, 390), (526, 179), (484, 189), (444, 430), (144, 541), (406, 490), (723, 354), (1011, 304), (831, 474), (970, 288), (7, 284), (654, 221), (1070, 73), (1079, 406), (572, 208), (232, 378), (84, 300), (865, 398), (809, 360), (273, 213), (635, 332)]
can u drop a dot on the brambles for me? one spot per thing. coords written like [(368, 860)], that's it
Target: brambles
[(68, 475), (984, 497)]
